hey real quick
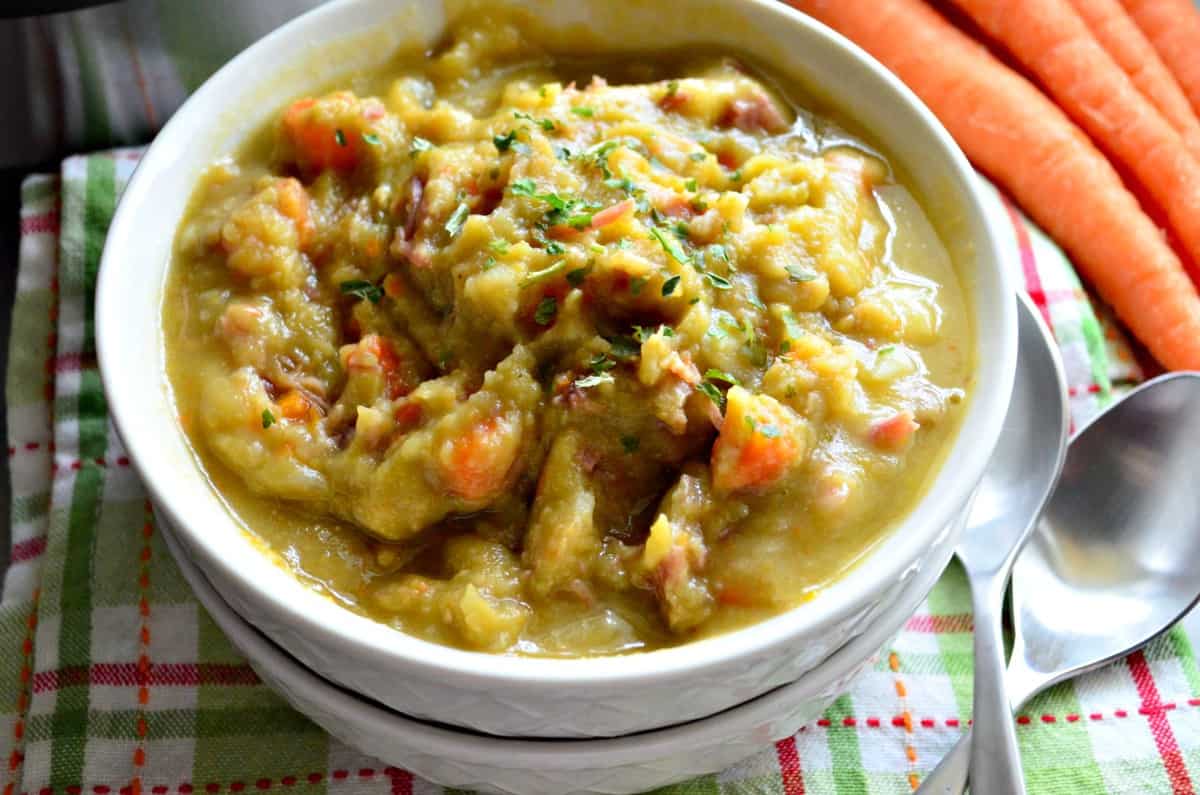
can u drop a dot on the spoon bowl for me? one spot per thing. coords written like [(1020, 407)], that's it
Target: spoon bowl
[(1115, 561), (1117, 558)]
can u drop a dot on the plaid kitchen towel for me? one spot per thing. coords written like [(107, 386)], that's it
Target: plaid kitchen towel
[(113, 681)]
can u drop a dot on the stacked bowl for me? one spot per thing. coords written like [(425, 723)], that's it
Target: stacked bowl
[(511, 723)]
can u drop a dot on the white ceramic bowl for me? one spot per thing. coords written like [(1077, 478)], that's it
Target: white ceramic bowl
[(636, 763), (512, 695)]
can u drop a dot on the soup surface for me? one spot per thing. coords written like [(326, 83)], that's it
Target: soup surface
[(564, 357)]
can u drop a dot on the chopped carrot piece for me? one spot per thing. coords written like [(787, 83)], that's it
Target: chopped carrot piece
[(319, 144), (477, 464), (759, 442), (295, 406), (393, 286), (374, 351), (612, 213), (293, 202), (894, 433)]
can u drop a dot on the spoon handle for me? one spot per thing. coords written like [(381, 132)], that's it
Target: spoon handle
[(950, 776), (995, 761)]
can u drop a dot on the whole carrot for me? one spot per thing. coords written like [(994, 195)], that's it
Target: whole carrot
[(1173, 27), (1120, 36), (1054, 44), (1015, 134)]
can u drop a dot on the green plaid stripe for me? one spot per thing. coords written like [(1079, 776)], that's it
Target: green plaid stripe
[(207, 725)]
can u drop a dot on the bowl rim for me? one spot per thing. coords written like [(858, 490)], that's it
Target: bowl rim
[(358, 638)]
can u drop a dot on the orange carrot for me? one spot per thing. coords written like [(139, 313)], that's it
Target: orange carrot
[(478, 461), (1052, 41), (1015, 134), (1128, 46), (1173, 27)]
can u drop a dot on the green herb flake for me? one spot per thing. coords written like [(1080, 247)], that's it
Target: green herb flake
[(268, 419), (504, 142), (499, 245), (681, 230), (584, 111), (575, 278), (750, 423), (418, 145), (719, 282), (456, 220), (636, 284), (361, 288), (712, 374), (339, 136), (554, 248), (769, 431), (712, 393), (371, 138), (547, 308), (798, 274), (630, 444), (596, 248), (699, 156), (623, 346), (600, 363), (690, 184), (669, 286), (672, 88), (593, 380), (718, 251), (544, 273), (579, 221), (523, 187), (885, 350), (671, 246), (785, 346)]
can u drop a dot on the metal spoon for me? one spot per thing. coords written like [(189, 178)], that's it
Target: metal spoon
[(1014, 490), (1116, 560)]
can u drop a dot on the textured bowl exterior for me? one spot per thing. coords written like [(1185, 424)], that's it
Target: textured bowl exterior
[(505, 695), (612, 766)]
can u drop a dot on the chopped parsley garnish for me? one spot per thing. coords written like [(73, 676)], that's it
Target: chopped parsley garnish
[(268, 419), (419, 144), (554, 248), (690, 184), (698, 156), (575, 278), (584, 111), (544, 273), (712, 374), (361, 288), (885, 350), (681, 230), (371, 138), (547, 308), (636, 284), (545, 124), (579, 220), (624, 347), (720, 282), (599, 155), (669, 285), (505, 142), (455, 222), (671, 246), (600, 363), (499, 245), (718, 251), (750, 423), (631, 444), (798, 274), (562, 153), (339, 136), (672, 88), (736, 176), (643, 333), (712, 393)]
